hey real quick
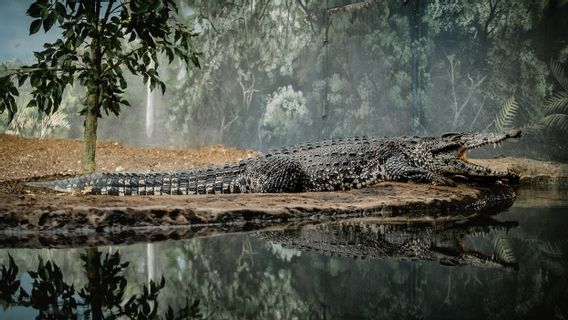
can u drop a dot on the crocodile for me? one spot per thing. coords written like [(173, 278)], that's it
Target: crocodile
[(450, 243), (329, 165)]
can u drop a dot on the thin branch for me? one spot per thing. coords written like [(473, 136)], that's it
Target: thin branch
[(24, 70), (472, 89), (477, 114), (107, 14), (117, 7)]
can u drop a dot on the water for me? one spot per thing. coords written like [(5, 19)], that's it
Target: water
[(512, 266)]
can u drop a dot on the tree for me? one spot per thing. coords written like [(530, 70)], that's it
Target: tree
[(97, 41)]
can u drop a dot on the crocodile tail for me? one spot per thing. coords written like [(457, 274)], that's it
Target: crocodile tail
[(200, 181), (76, 184)]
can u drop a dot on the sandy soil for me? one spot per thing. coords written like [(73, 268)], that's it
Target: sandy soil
[(26, 159)]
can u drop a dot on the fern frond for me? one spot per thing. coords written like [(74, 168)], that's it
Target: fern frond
[(57, 119), (558, 103), (503, 250), (506, 115), (559, 74), (555, 121), (24, 121), (551, 249)]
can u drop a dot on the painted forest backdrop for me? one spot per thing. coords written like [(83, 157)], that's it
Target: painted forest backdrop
[(282, 72)]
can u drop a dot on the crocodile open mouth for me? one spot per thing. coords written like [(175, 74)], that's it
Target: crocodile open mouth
[(496, 141)]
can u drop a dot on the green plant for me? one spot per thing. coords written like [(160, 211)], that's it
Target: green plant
[(506, 116), (103, 297), (97, 41), (31, 122), (556, 109)]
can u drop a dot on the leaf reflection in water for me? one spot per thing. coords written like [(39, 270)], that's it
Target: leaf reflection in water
[(103, 297)]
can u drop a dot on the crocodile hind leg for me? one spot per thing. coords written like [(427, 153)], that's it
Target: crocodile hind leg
[(398, 169), (279, 173)]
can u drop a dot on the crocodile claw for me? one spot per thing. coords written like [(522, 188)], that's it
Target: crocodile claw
[(443, 181)]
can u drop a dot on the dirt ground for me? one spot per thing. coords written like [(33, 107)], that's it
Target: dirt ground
[(24, 209), (22, 158)]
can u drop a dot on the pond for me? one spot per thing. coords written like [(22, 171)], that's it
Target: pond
[(510, 265)]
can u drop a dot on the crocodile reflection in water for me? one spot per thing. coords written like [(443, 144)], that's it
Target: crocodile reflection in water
[(445, 242)]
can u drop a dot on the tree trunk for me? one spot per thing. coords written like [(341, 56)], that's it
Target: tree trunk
[(93, 107), (90, 137), (94, 280)]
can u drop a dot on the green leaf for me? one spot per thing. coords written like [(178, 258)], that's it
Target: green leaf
[(71, 4), (123, 84), (38, 55), (35, 79), (34, 10), (48, 23), (60, 9), (34, 27), (22, 79), (13, 91), (125, 102), (506, 116), (31, 104)]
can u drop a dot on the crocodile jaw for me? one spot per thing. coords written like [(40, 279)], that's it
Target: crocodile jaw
[(496, 140), (484, 139)]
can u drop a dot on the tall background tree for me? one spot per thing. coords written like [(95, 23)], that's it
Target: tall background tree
[(99, 40)]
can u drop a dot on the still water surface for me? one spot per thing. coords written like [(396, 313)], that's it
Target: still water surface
[(511, 266)]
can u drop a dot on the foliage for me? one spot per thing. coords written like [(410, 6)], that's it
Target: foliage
[(29, 122), (490, 40), (9, 285), (503, 250), (96, 43), (147, 26), (363, 68), (556, 109), (102, 297), (348, 64), (286, 118), (505, 117), (246, 58)]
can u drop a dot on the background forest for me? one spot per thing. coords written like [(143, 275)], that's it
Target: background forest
[(282, 72)]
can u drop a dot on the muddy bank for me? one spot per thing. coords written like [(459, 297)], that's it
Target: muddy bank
[(50, 219)]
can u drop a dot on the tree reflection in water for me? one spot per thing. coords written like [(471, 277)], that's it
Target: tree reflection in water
[(513, 265), (103, 297)]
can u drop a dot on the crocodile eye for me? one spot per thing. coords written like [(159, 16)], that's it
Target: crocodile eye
[(450, 134)]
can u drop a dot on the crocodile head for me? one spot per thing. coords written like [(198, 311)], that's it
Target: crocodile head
[(448, 153)]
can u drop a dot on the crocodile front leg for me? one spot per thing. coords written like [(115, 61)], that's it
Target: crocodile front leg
[(398, 169)]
